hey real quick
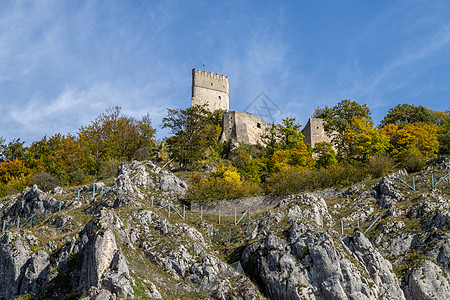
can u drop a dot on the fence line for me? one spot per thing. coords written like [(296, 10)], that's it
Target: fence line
[(217, 232), (415, 183)]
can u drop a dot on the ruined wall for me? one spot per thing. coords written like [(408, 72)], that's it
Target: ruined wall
[(210, 89), (243, 127), (314, 132)]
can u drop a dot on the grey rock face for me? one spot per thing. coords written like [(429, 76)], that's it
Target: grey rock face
[(441, 220), (57, 190), (115, 279), (14, 254), (427, 282), (308, 206), (387, 188), (136, 176), (97, 258), (90, 187), (306, 267), (35, 274), (103, 264), (441, 251), (379, 268), (32, 201)]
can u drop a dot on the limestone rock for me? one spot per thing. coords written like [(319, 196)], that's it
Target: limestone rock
[(97, 258), (35, 274), (57, 191), (14, 254), (380, 270), (427, 282), (32, 201), (306, 267), (136, 177), (387, 188)]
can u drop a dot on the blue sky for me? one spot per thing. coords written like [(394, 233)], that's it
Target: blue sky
[(62, 63)]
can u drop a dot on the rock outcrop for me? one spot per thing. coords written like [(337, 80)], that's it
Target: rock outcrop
[(32, 202), (124, 245), (138, 177)]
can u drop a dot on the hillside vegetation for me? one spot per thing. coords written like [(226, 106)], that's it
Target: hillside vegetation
[(407, 137), (366, 217)]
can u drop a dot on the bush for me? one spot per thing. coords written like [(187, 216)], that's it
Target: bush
[(45, 181), (413, 163), (225, 183), (77, 177), (295, 180), (379, 166), (108, 169)]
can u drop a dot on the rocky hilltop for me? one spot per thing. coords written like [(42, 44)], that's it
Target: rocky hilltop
[(134, 239)]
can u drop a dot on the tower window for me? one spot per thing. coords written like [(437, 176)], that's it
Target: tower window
[(258, 125), (220, 98), (211, 84)]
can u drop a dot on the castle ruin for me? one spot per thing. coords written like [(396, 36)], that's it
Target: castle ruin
[(212, 90)]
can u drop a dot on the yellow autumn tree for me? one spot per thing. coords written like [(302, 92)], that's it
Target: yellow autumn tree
[(362, 141), (412, 139), (14, 176)]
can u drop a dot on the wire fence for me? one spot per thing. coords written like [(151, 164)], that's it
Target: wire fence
[(423, 181)]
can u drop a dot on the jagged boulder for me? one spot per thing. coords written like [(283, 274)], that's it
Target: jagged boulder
[(32, 201), (427, 281), (308, 206), (386, 191), (103, 264), (14, 254), (379, 269), (97, 186), (136, 177), (35, 273), (308, 266), (440, 251)]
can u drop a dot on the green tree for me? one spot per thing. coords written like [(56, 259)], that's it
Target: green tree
[(194, 130), (409, 113), (113, 136), (325, 155), (13, 150), (347, 123), (290, 150), (444, 135)]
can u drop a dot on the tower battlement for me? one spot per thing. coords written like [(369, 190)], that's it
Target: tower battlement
[(204, 73), (210, 89)]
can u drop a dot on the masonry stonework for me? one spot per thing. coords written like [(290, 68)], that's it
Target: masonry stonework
[(210, 89), (243, 127), (314, 132)]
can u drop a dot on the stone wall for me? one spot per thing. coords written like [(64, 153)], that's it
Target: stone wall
[(314, 132), (243, 127), (211, 89)]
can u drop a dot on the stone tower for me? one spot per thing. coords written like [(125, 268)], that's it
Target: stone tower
[(210, 89), (314, 132)]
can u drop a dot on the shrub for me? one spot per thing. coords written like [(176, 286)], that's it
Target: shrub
[(295, 180), (379, 166), (413, 163), (45, 181), (225, 183), (108, 169), (78, 176)]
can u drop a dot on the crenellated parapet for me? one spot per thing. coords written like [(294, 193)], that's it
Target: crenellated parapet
[(206, 74), (210, 89)]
